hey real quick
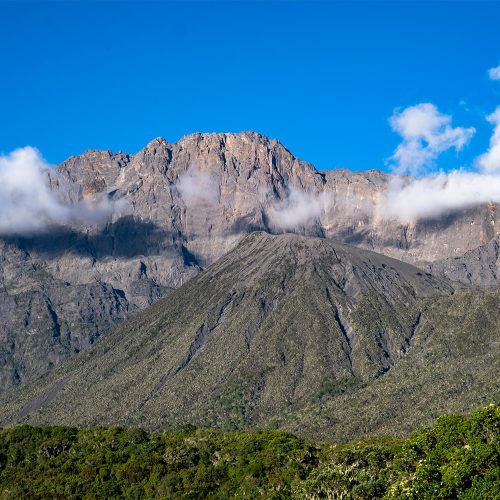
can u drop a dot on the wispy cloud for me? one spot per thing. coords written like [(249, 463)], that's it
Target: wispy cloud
[(298, 209), (196, 186), (27, 204), (490, 161), (494, 73), (426, 133)]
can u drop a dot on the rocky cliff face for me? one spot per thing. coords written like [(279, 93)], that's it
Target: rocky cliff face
[(179, 207)]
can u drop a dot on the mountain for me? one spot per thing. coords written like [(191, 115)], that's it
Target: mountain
[(180, 207), (278, 325)]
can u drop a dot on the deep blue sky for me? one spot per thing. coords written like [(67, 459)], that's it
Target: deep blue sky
[(322, 77)]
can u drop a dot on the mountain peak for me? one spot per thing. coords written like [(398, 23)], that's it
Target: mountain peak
[(225, 138), (158, 141)]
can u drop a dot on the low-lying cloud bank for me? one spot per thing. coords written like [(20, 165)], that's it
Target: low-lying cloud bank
[(28, 205), (430, 197)]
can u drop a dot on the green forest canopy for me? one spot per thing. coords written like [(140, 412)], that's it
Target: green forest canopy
[(459, 457)]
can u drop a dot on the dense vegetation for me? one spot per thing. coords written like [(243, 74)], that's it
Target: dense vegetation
[(457, 457)]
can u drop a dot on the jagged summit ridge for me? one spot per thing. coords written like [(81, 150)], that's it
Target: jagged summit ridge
[(221, 138)]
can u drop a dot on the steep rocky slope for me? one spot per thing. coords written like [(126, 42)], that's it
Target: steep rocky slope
[(477, 267), (275, 325), (179, 208)]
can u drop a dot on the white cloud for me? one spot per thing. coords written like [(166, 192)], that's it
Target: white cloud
[(298, 209), (27, 204), (494, 73), (490, 161), (197, 187), (426, 134), (410, 199)]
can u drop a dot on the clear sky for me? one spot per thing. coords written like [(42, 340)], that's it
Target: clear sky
[(323, 77)]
